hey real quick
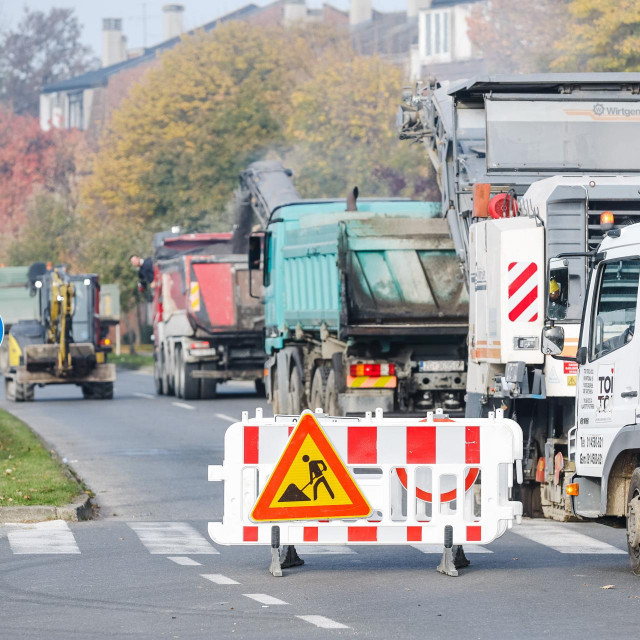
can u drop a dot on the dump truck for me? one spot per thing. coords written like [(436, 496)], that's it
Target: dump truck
[(529, 167), (365, 305), (207, 328), (61, 341)]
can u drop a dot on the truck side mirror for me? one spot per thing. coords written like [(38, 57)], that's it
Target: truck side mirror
[(552, 340), (581, 356), (255, 252)]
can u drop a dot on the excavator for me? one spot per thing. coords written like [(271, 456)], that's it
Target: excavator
[(64, 343)]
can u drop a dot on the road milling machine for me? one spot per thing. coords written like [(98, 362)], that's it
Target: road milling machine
[(530, 167), (63, 343)]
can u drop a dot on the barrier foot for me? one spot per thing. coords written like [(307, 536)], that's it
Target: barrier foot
[(275, 569), (289, 557), (459, 559), (447, 564)]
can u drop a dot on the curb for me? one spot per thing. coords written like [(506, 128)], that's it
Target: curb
[(80, 509)]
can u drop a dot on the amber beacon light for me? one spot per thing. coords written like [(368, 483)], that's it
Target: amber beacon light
[(606, 220)]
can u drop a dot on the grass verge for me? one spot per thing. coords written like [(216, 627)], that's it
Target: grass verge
[(29, 474), (129, 361)]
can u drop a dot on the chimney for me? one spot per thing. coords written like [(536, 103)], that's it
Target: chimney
[(173, 20), (360, 11), (113, 42), (414, 7)]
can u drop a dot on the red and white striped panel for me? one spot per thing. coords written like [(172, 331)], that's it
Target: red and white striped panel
[(360, 445), (523, 291)]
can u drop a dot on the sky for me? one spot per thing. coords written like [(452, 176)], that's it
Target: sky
[(137, 13)]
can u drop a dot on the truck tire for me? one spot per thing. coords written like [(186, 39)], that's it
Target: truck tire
[(190, 385), (296, 393), (633, 522), (319, 388), (158, 374), (10, 390), (177, 373), (331, 395), (28, 392), (261, 390), (208, 386), (168, 374), (98, 391), (275, 399)]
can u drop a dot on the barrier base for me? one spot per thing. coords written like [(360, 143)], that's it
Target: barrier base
[(274, 568), (459, 559), (289, 557), (447, 565)]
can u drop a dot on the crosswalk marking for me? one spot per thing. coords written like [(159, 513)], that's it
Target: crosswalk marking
[(172, 538), (263, 598), (218, 578), (329, 550), (185, 562), (49, 537), (323, 623), (562, 538), (437, 548)]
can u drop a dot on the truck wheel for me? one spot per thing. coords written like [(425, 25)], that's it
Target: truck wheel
[(318, 388), (296, 392), (633, 522), (177, 373), (208, 386), (97, 391), (167, 375), (158, 374), (190, 385), (331, 395), (28, 392), (275, 400), (261, 390), (10, 389)]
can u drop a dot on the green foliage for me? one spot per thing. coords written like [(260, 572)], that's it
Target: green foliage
[(604, 35), (28, 473)]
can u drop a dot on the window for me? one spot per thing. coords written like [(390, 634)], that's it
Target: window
[(76, 115), (437, 37), (427, 34), (266, 264), (437, 30), (445, 33), (614, 316)]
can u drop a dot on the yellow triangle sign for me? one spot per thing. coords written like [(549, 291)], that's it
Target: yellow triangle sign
[(310, 481)]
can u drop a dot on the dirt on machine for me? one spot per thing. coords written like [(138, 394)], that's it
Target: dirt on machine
[(61, 340)]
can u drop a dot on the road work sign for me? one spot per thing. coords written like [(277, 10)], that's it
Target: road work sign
[(310, 481)]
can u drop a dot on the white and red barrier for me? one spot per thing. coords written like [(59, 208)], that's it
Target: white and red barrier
[(466, 464)]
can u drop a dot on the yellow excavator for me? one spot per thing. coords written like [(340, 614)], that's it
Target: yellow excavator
[(65, 344)]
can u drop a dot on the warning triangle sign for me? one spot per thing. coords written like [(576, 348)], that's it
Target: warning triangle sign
[(310, 481)]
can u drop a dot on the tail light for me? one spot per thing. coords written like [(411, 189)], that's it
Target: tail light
[(201, 344), (105, 342), (373, 369)]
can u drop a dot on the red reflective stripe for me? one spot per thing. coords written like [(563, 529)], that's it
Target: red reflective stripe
[(474, 534), (522, 278), (472, 445), (251, 436), (535, 317), (310, 534), (250, 534), (362, 534), (524, 304), (291, 430), (421, 445), (362, 445), (511, 265), (414, 534)]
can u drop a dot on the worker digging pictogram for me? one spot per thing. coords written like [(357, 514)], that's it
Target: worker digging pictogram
[(316, 478)]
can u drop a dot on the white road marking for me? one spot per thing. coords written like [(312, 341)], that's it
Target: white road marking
[(218, 578), (323, 623), (185, 562), (172, 538), (183, 405), (224, 416), (49, 537), (437, 548), (313, 549), (263, 598), (563, 538), (148, 396)]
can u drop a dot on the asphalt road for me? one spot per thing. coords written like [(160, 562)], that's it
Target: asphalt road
[(146, 568)]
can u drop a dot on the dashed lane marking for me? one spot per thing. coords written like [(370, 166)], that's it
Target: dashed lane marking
[(172, 538), (218, 578), (185, 562), (312, 549), (563, 538), (263, 598), (183, 405), (224, 416), (437, 548), (49, 537), (147, 396), (323, 623)]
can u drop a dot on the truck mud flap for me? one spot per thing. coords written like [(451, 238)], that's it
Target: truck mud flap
[(101, 373)]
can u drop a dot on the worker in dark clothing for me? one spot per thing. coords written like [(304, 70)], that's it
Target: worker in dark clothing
[(316, 476), (145, 271)]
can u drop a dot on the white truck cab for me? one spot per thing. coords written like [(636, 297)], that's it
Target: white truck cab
[(605, 442)]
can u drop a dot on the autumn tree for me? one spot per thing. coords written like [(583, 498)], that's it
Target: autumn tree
[(42, 49), (603, 35), (518, 37), (342, 133)]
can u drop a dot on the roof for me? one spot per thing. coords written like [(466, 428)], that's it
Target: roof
[(100, 77), (540, 82)]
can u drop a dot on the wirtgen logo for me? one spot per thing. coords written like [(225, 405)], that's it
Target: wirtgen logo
[(615, 111), (598, 109)]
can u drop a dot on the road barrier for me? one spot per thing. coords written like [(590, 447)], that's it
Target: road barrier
[(283, 480)]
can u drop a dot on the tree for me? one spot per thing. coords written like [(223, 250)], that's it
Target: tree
[(42, 49), (604, 35), (344, 135), (518, 37)]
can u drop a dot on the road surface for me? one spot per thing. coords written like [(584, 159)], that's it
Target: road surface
[(147, 569)]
